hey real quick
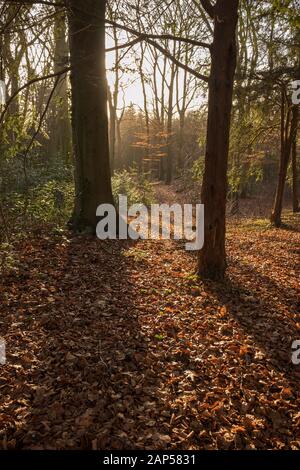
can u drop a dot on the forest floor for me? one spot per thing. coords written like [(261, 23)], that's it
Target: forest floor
[(118, 345)]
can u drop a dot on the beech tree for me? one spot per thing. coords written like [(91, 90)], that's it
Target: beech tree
[(60, 131), (289, 123), (296, 207), (89, 110), (212, 258)]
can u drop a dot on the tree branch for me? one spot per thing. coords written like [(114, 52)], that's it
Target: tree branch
[(149, 38), (170, 37), (41, 118), (26, 85), (209, 8), (203, 16), (176, 61), (37, 2)]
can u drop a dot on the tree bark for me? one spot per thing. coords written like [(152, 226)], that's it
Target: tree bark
[(60, 131), (288, 136), (147, 118), (212, 258), (112, 130), (113, 107), (296, 207), (169, 172), (89, 110)]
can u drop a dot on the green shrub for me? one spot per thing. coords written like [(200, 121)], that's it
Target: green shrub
[(135, 186), (198, 170), (50, 202)]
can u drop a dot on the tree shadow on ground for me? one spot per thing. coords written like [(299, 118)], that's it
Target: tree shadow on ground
[(98, 359), (86, 378), (266, 309)]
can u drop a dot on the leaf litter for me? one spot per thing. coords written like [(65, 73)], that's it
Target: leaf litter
[(119, 345)]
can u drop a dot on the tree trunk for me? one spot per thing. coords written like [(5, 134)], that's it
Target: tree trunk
[(169, 173), (182, 109), (113, 107), (89, 110), (212, 258), (112, 130), (286, 147), (161, 113), (119, 152), (147, 119), (60, 131), (296, 207)]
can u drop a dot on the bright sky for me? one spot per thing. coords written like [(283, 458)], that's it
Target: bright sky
[(131, 88)]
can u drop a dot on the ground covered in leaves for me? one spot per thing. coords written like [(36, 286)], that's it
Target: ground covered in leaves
[(120, 346)]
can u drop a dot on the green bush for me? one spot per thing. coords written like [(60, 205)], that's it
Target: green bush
[(135, 186), (198, 169), (50, 202)]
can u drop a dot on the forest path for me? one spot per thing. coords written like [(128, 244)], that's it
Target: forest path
[(118, 345), (166, 194)]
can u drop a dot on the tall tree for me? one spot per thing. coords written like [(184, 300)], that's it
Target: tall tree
[(212, 258), (89, 110), (169, 172), (289, 123), (60, 130), (296, 207)]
